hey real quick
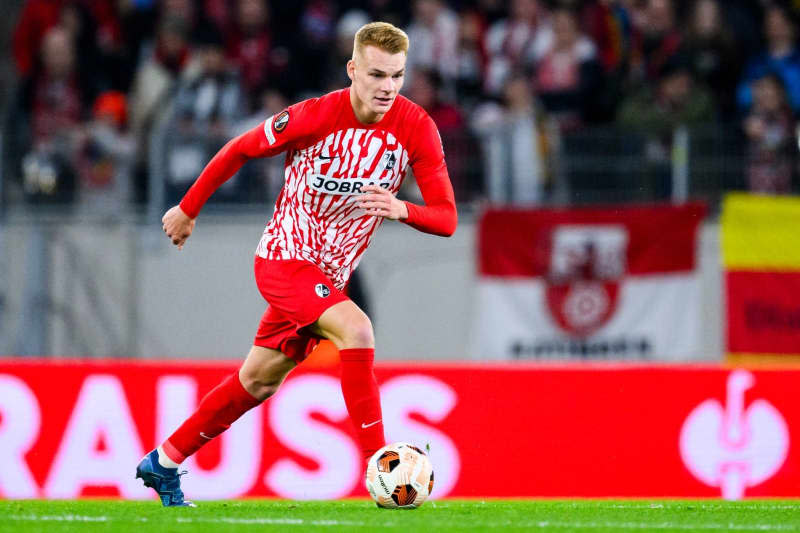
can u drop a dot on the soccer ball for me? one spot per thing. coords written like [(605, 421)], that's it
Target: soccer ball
[(399, 476)]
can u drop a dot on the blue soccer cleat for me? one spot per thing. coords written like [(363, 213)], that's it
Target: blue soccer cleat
[(165, 481)]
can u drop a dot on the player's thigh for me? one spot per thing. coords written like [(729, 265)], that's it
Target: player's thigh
[(298, 290), (264, 370), (346, 325)]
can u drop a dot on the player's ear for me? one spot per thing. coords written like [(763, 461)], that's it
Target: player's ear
[(351, 70)]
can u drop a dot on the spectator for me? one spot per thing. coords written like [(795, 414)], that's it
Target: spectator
[(57, 95), (567, 75), (183, 10), (512, 146), (209, 98), (712, 53), (36, 18), (138, 23), (335, 72), (91, 22), (156, 77), (426, 90), (217, 12), (316, 40), (154, 82), (511, 43), (781, 56), (317, 23), (471, 58), (434, 34), (655, 114), (106, 158), (608, 23), (769, 129), (252, 46), (47, 119), (207, 107), (675, 100), (78, 21), (657, 40)]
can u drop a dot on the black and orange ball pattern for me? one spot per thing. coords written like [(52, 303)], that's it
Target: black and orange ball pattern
[(404, 495), (388, 461)]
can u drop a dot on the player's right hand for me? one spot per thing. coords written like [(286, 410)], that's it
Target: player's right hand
[(177, 225)]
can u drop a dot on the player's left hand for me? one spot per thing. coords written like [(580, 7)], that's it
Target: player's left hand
[(381, 203)]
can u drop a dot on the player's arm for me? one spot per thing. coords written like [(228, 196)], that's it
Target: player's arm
[(275, 135), (438, 215), (178, 221)]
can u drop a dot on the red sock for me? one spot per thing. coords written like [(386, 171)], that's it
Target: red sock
[(360, 391), (217, 411)]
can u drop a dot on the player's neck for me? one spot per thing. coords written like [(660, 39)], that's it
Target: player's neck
[(362, 112)]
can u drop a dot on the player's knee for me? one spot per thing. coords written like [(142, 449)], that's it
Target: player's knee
[(347, 326), (359, 334), (262, 391), (259, 386)]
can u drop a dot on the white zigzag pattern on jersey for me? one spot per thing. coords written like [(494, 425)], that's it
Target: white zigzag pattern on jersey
[(328, 229)]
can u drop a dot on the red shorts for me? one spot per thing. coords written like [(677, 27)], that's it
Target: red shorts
[(297, 293)]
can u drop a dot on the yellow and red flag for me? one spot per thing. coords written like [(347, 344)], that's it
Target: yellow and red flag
[(761, 257)]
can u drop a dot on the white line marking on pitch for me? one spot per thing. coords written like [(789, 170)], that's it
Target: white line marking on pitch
[(543, 524), (703, 506), (661, 525), (58, 518), (273, 521)]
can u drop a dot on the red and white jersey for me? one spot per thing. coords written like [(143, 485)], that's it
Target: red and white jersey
[(330, 157)]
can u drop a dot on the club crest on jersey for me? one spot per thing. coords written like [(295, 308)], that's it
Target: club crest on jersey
[(280, 122), (389, 160), (322, 290)]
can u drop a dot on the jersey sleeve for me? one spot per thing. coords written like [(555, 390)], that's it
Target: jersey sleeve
[(438, 215), (279, 133)]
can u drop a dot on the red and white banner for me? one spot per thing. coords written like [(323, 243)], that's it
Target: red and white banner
[(70, 429), (612, 283)]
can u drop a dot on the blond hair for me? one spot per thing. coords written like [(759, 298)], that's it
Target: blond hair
[(382, 35)]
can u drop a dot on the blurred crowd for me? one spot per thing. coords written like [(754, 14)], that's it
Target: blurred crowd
[(112, 91)]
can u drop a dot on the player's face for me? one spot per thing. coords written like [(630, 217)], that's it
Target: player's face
[(377, 77)]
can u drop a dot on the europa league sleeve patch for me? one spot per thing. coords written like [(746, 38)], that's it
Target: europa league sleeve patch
[(280, 121)]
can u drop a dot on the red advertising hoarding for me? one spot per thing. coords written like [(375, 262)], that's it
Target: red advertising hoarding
[(78, 428)]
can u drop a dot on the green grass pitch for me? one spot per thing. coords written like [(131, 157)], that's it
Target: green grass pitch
[(445, 515)]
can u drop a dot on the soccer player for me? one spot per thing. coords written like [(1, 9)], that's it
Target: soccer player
[(347, 153)]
